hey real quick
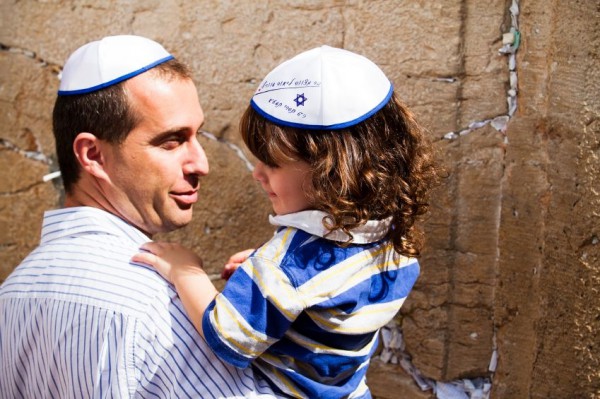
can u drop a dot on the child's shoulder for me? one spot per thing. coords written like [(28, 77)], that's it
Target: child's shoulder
[(285, 243), (296, 251)]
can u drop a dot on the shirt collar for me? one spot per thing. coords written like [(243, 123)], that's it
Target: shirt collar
[(60, 223), (312, 222)]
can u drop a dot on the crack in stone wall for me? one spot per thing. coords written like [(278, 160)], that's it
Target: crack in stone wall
[(393, 350), (511, 41), (237, 150), (31, 54), (34, 155)]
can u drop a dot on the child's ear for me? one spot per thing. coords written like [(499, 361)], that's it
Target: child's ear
[(88, 151)]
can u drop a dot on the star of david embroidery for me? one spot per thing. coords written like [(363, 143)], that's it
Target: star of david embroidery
[(300, 99)]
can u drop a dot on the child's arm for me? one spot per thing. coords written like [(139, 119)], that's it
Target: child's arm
[(234, 262), (183, 268)]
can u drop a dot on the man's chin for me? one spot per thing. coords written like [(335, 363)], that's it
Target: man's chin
[(181, 221), (174, 222)]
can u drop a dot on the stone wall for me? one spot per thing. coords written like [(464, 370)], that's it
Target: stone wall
[(512, 266)]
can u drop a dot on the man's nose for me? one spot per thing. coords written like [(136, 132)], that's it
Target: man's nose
[(196, 163)]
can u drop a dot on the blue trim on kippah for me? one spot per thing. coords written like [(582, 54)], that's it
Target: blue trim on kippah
[(336, 126), (114, 81)]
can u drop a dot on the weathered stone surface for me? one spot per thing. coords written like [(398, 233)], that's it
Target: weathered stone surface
[(23, 200), (26, 148), (26, 100), (484, 69), (512, 258), (389, 381), (423, 71), (458, 284), (425, 332), (546, 309)]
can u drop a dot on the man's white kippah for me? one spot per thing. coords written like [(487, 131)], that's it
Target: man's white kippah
[(108, 61), (323, 88)]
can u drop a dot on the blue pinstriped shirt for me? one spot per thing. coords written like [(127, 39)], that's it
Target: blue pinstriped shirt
[(79, 320)]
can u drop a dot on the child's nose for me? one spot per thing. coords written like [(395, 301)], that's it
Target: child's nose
[(258, 172)]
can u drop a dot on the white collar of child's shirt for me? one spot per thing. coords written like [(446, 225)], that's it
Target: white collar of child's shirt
[(312, 222)]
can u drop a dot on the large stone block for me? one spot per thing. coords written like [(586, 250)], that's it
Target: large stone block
[(424, 72), (454, 297), (426, 340), (512, 240), (27, 87), (485, 80), (398, 41), (390, 381), (548, 212), (23, 200)]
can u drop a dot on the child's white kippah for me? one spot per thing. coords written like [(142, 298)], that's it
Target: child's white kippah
[(108, 61), (323, 88)]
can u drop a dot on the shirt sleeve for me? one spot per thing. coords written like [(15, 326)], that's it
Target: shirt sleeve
[(256, 308), (172, 359)]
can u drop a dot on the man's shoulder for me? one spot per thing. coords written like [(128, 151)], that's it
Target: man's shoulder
[(91, 270)]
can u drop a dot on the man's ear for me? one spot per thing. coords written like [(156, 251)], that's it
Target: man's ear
[(88, 150)]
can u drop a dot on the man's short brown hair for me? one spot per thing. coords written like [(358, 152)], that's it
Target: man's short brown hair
[(105, 113)]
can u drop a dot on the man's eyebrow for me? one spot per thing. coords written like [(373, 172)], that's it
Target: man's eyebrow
[(167, 134), (176, 130)]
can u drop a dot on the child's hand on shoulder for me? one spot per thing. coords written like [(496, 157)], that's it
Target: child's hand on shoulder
[(234, 262), (171, 260)]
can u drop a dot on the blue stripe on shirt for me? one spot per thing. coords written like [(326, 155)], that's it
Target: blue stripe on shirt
[(349, 292), (71, 329)]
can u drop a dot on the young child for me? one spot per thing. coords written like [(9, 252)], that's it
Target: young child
[(347, 170)]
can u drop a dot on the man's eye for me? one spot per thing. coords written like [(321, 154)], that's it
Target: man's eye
[(172, 142)]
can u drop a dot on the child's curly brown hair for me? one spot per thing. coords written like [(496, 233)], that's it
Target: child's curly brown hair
[(382, 167)]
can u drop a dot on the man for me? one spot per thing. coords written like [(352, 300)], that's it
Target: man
[(77, 318)]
